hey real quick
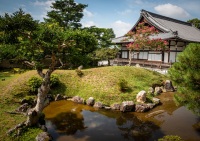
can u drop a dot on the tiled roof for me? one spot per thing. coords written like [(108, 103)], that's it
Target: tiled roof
[(121, 39), (185, 31), (168, 26)]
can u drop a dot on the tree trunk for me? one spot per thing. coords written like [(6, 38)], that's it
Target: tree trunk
[(108, 62), (35, 113), (130, 57)]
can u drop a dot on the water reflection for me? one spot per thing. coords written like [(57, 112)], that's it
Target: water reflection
[(68, 123), (75, 122), (80, 122)]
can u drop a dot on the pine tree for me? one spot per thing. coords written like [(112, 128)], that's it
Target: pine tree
[(186, 75)]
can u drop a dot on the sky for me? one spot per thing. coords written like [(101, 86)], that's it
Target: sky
[(120, 15)]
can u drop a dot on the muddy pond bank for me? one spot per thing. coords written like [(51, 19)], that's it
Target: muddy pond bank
[(67, 120)]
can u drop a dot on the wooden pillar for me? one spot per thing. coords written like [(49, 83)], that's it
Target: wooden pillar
[(176, 50), (169, 51)]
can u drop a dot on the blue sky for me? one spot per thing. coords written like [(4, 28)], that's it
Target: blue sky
[(120, 15)]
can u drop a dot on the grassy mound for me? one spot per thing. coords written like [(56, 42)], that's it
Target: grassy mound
[(106, 84)]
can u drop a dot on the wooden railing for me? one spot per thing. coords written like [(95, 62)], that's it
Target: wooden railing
[(158, 64)]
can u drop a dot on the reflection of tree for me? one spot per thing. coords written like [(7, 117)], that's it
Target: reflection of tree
[(196, 126), (68, 122), (131, 127)]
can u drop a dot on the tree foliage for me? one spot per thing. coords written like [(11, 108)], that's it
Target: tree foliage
[(84, 45), (106, 54), (67, 13), (103, 35), (15, 29), (185, 73), (142, 38), (195, 22)]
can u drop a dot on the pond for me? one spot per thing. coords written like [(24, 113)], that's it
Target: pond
[(67, 120)]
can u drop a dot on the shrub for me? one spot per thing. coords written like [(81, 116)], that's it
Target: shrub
[(123, 85), (54, 80), (34, 83), (79, 72), (170, 138)]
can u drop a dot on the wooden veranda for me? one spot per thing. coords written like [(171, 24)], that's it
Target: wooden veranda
[(142, 63)]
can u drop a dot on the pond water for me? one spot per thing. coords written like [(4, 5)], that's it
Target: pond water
[(69, 121)]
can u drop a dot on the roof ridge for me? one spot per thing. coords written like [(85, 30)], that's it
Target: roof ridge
[(167, 18), (155, 22)]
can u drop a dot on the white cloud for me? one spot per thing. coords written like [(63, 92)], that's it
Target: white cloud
[(88, 13), (172, 11), (45, 4), (89, 24), (120, 28)]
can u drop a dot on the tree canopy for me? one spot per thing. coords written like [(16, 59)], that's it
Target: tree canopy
[(141, 38), (103, 35), (15, 30), (195, 22), (67, 13), (185, 74), (84, 44)]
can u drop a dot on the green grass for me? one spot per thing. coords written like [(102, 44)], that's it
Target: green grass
[(100, 83)]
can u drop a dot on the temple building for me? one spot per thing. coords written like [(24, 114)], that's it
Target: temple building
[(177, 33)]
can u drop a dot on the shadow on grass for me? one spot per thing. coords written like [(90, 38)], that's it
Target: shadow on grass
[(4, 75), (126, 90), (60, 89)]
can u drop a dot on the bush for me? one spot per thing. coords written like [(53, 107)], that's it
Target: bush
[(54, 80), (170, 138), (123, 85), (79, 72), (34, 83)]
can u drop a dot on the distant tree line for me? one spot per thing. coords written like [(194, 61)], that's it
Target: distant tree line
[(23, 38)]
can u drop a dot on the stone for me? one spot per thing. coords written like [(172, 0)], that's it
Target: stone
[(158, 90), (150, 91), (141, 96), (65, 97), (151, 105), (107, 107), (58, 97), (44, 128), (78, 99), (137, 65), (90, 101), (115, 106), (29, 101), (98, 105), (141, 108), (168, 87), (127, 106), (44, 136), (50, 97), (156, 100), (23, 108)]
